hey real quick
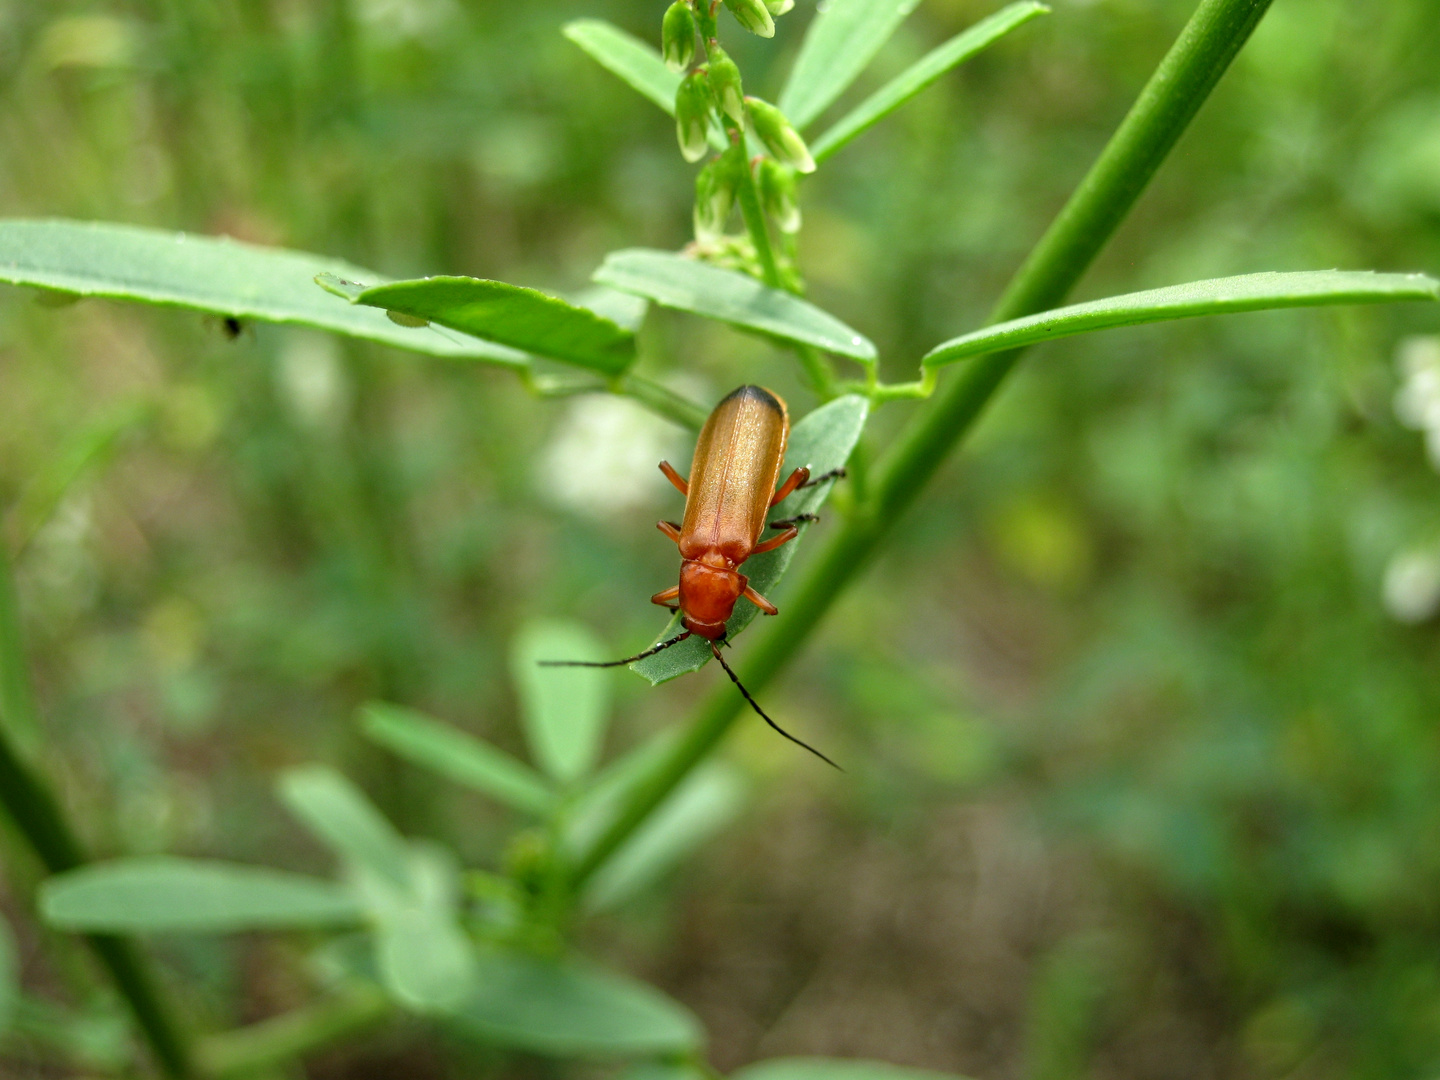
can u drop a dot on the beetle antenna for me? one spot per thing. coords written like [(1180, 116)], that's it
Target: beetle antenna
[(746, 694), (617, 663)]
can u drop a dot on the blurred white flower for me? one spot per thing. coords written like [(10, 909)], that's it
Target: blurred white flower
[(399, 20), (1411, 589), (1417, 402), (312, 380), (602, 459)]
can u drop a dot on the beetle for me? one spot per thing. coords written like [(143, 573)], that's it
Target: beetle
[(730, 492)]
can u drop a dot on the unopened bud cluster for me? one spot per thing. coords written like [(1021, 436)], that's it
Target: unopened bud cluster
[(711, 100)]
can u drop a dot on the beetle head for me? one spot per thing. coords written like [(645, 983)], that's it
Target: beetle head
[(707, 597)]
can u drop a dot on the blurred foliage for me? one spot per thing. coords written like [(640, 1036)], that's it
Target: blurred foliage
[(1140, 704)]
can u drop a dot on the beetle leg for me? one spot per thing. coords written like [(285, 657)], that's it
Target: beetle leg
[(759, 601), (670, 529), (833, 474), (681, 484), (664, 598), (785, 523), (796, 479), (775, 541)]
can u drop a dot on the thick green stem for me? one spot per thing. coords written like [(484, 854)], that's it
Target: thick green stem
[(1180, 85), (288, 1038), (37, 816)]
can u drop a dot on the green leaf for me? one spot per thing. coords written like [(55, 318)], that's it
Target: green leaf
[(212, 274), (568, 1007), (623, 309), (457, 756), (512, 315), (823, 440), (164, 894), (843, 38), (922, 73), (564, 709), (703, 805), (9, 977), (336, 811), (632, 60), (1251, 292), (88, 447), (832, 1069), (423, 957), (677, 282)]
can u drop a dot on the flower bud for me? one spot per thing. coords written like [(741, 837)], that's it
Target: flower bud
[(779, 7), (677, 36), (714, 195), (692, 115), (779, 137), (753, 15), (725, 85), (777, 194)]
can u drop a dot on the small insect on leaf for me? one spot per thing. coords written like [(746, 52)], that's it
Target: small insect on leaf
[(402, 319)]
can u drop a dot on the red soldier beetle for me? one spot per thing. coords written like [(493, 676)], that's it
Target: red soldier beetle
[(731, 490)]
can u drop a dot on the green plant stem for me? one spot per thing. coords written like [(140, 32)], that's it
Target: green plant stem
[(748, 196), (662, 400), (263, 1046), (1179, 86), (37, 816)]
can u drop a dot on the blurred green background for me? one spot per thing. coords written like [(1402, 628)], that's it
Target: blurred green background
[(1140, 706)]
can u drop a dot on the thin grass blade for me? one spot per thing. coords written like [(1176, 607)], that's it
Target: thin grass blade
[(842, 40), (922, 73)]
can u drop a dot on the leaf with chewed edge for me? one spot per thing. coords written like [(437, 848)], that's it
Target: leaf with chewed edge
[(823, 440)]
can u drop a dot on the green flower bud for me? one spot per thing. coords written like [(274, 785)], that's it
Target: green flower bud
[(777, 194), (677, 36), (692, 115), (714, 196), (753, 15), (779, 137), (725, 85), (779, 7)]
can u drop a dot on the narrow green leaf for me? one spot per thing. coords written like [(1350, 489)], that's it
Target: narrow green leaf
[(922, 73), (843, 38), (164, 894), (338, 813), (1251, 292), (627, 57), (87, 448), (212, 274), (9, 978), (833, 1069), (823, 440), (423, 958), (512, 315), (677, 282), (564, 709), (568, 1007), (457, 756), (695, 811)]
